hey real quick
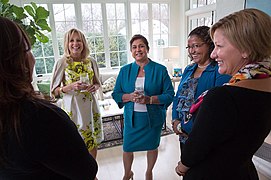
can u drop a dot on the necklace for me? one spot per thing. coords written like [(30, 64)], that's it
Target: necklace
[(201, 67)]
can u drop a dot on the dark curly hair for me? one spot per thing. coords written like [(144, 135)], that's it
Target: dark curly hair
[(203, 33)]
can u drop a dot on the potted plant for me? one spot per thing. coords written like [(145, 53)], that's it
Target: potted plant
[(32, 18)]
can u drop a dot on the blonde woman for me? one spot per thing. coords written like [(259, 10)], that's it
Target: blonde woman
[(79, 99)]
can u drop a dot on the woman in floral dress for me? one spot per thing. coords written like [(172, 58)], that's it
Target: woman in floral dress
[(79, 99)]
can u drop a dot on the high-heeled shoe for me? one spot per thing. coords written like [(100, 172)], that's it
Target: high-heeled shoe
[(130, 177)]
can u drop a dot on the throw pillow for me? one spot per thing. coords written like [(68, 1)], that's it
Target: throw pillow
[(108, 84)]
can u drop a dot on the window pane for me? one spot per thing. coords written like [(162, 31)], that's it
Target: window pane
[(120, 11), (112, 29), (134, 10), (194, 4), (64, 15), (160, 25), (36, 50), (98, 28), (99, 43), (114, 59), (156, 11), (201, 3), (122, 43), (100, 57), (61, 46), (144, 11), (48, 48), (164, 11), (113, 43), (211, 1), (91, 44), (135, 27), (40, 66), (123, 58), (59, 12), (49, 64), (97, 11), (110, 11)]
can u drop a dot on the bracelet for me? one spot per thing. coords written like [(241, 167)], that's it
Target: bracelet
[(151, 100), (61, 90)]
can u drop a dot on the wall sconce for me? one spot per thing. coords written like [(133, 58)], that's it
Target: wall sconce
[(171, 54)]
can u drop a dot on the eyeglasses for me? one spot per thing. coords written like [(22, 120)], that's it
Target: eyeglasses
[(195, 46)]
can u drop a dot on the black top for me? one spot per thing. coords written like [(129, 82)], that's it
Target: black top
[(50, 147), (230, 126)]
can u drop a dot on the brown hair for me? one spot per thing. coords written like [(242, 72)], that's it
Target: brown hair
[(16, 67), (68, 35), (249, 31), (139, 36)]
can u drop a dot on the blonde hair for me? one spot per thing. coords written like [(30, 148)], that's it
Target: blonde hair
[(68, 35), (249, 30)]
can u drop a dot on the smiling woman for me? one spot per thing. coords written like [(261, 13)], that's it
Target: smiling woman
[(197, 77), (145, 89), (79, 98)]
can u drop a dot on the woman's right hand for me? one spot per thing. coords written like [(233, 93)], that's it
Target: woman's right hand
[(174, 127), (77, 86)]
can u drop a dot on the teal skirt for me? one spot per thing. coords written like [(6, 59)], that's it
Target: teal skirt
[(141, 136)]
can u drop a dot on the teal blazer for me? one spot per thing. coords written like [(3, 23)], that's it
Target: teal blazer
[(157, 83)]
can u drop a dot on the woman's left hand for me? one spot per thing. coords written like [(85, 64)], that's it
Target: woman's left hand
[(92, 88), (143, 99)]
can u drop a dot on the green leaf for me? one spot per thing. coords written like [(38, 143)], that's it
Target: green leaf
[(34, 5), (31, 18), (4, 1), (43, 25), (42, 13), (42, 38), (18, 11), (30, 10)]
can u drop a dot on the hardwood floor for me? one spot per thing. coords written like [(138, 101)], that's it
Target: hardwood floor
[(111, 167)]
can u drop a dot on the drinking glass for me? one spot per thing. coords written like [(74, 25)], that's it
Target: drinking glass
[(140, 91), (84, 79)]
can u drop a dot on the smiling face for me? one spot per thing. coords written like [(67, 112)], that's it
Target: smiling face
[(75, 45), (139, 50), (229, 58), (198, 49)]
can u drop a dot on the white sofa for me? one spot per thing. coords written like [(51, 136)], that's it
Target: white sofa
[(108, 80)]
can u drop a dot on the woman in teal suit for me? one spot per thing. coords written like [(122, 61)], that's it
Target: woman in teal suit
[(145, 91)]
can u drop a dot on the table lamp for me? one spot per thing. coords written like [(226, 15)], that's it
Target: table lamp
[(170, 54)]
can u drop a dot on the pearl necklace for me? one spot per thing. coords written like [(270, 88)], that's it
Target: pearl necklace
[(201, 67)]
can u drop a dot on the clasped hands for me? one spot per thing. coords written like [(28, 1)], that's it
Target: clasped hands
[(139, 97), (83, 86)]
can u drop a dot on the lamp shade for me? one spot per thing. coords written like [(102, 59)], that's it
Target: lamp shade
[(171, 52)]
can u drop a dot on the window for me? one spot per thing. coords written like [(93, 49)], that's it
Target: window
[(107, 28), (160, 24), (117, 34), (205, 19), (199, 3), (93, 27)]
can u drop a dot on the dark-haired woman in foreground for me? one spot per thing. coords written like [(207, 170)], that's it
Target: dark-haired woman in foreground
[(37, 139)]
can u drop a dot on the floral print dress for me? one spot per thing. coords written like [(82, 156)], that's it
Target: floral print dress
[(83, 107)]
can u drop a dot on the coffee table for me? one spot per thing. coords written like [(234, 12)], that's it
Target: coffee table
[(111, 112)]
